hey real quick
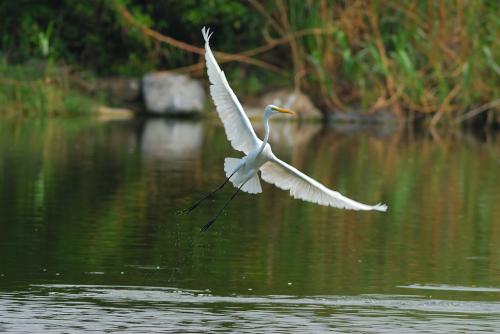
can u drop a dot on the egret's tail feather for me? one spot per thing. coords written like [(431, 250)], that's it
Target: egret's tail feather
[(251, 186)]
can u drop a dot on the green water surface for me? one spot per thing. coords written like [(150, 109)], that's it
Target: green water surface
[(89, 223)]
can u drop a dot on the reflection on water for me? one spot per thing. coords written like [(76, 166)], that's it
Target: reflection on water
[(171, 141), (89, 230)]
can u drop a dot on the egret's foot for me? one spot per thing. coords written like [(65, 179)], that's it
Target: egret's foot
[(188, 210), (180, 212), (196, 204), (207, 225)]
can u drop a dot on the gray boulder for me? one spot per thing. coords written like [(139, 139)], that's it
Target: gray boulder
[(296, 101), (168, 93)]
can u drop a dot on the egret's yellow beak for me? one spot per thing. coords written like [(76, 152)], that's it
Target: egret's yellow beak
[(285, 111)]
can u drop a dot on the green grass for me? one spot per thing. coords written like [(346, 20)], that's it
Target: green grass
[(40, 90), (422, 56)]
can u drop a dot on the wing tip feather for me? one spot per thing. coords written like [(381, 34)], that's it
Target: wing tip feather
[(206, 34), (380, 207)]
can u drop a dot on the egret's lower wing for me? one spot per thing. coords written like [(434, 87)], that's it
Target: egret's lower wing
[(301, 186)]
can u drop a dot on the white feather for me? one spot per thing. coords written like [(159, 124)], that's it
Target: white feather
[(251, 186), (230, 165), (305, 188), (239, 131)]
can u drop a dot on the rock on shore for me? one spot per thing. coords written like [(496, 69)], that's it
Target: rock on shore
[(296, 101)]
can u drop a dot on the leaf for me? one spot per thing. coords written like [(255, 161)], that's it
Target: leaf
[(489, 59), (405, 61)]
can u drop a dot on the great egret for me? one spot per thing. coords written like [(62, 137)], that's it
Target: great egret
[(243, 173)]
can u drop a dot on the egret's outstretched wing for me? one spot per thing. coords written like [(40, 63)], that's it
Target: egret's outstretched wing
[(239, 131), (303, 187)]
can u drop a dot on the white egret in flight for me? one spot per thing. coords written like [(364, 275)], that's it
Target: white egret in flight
[(243, 173)]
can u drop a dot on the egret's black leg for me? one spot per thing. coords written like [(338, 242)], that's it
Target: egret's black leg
[(211, 221), (210, 194)]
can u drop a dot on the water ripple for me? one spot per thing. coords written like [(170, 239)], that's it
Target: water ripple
[(83, 308)]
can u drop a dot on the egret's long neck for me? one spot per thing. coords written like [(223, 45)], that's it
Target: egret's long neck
[(266, 135)]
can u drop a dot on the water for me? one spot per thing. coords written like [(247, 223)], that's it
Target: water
[(91, 238)]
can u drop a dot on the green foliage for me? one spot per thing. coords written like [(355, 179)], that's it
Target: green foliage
[(91, 35), (411, 55), (415, 55), (85, 34), (39, 90)]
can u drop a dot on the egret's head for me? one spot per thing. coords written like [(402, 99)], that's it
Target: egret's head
[(272, 110)]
